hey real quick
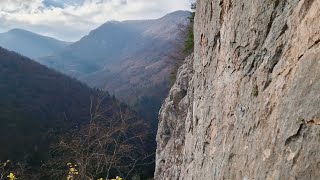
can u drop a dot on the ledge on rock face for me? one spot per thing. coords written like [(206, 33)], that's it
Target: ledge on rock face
[(247, 107)]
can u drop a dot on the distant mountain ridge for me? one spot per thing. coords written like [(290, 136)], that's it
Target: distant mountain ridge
[(129, 59), (30, 44), (115, 41)]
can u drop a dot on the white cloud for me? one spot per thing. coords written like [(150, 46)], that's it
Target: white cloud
[(71, 19)]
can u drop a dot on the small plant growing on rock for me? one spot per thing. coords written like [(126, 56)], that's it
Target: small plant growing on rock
[(189, 42)]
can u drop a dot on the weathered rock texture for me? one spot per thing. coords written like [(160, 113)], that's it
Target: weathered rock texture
[(247, 106)]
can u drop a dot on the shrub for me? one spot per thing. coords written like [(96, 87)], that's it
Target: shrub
[(189, 43)]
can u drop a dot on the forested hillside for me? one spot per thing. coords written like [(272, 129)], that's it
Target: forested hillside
[(48, 119), (35, 102), (130, 59)]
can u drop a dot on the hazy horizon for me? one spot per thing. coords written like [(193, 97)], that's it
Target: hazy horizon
[(70, 20)]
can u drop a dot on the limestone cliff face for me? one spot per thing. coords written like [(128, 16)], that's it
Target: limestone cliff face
[(247, 104)]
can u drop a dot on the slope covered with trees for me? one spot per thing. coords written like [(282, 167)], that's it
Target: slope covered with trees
[(130, 59), (35, 102), (48, 119)]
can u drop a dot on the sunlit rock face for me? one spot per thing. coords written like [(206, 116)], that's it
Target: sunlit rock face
[(247, 105)]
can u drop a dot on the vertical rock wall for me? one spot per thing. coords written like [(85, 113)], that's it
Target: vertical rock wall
[(247, 104)]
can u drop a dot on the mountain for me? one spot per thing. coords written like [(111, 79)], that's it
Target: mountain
[(43, 111), (36, 103), (247, 104), (130, 59), (30, 44)]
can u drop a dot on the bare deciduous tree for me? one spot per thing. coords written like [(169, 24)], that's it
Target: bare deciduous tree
[(111, 143)]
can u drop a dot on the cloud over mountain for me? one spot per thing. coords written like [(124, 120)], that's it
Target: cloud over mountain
[(71, 19)]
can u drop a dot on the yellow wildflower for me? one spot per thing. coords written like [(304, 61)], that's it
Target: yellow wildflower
[(11, 176), (72, 170), (69, 177)]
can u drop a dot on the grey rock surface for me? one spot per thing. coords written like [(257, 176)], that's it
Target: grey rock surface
[(247, 105)]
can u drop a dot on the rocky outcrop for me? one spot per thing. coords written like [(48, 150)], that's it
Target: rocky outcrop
[(173, 114), (247, 105)]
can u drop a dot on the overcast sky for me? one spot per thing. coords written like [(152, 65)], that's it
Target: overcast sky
[(71, 19)]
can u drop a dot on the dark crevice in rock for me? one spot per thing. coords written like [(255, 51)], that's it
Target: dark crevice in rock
[(269, 25), (275, 59), (211, 11), (268, 82), (222, 12), (216, 38), (296, 136), (178, 97), (276, 3), (245, 59), (300, 56), (250, 68), (197, 121), (209, 127), (314, 44), (205, 146), (283, 30), (256, 62), (231, 156)]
